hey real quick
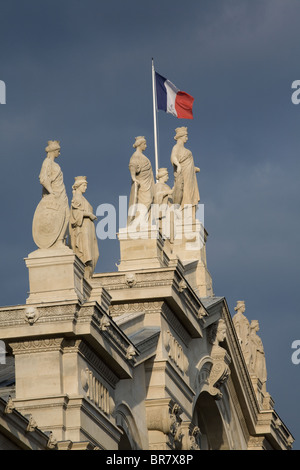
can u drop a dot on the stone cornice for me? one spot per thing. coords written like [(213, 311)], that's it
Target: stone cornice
[(154, 285)]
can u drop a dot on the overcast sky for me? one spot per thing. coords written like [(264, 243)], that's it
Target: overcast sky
[(80, 72)]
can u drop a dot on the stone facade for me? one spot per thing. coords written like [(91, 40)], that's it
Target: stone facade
[(145, 358)]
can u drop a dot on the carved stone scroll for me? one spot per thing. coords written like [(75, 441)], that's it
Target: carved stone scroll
[(165, 417)]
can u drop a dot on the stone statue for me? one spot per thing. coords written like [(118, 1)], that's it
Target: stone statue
[(163, 192), (142, 184), (163, 200), (258, 360), (186, 187), (220, 370), (217, 334), (83, 238), (50, 221), (242, 328)]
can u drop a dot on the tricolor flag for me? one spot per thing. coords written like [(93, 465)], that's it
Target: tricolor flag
[(171, 100)]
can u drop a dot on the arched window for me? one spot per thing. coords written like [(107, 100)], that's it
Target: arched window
[(207, 417), (130, 439)]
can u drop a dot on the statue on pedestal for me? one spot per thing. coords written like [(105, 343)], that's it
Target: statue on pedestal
[(258, 360), (83, 238), (50, 221), (186, 187), (242, 327), (251, 343), (142, 181)]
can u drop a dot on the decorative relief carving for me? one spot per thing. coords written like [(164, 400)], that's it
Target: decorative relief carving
[(104, 323), (149, 307), (32, 346), (96, 391), (195, 435), (220, 358), (52, 442), (191, 436), (182, 285), (131, 352), (130, 279), (202, 313), (165, 417), (31, 315), (149, 279), (175, 434), (47, 314), (175, 352), (32, 424), (10, 406), (256, 442)]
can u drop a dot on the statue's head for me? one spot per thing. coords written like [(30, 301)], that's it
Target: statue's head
[(181, 132), (80, 181), (162, 173), (254, 325), (140, 140), (217, 332), (53, 146), (240, 306)]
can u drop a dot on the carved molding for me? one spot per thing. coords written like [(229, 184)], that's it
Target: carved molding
[(135, 307), (44, 314), (38, 345)]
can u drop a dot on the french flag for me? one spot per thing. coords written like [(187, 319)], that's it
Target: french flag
[(171, 100)]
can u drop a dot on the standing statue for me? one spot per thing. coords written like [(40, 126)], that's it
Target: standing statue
[(142, 184), (83, 238), (258, 360), (186, 187), (242, 328), (50, 221)]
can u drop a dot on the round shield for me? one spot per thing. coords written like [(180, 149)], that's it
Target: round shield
[(48, 221)]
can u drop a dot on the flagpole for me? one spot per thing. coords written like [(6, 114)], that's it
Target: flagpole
[(154, 119)]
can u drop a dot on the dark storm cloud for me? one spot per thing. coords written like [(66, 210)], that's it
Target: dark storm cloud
[(80, 72)]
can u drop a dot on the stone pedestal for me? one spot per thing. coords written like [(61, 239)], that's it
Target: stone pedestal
[(190, 247), (56, 275), (141, 249)]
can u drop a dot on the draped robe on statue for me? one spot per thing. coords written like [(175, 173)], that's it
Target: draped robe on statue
[(82, 231), (140, 165), (186, 187), (52, 214)]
